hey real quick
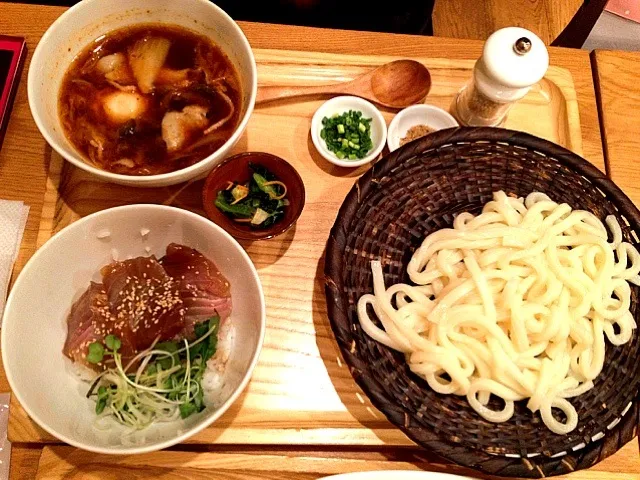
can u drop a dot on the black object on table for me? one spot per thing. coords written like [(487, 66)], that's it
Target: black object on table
[(399, 16)]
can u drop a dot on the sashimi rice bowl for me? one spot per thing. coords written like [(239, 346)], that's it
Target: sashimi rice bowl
[(133, 329)]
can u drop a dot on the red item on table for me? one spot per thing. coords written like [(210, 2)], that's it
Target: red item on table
[(629, 9)]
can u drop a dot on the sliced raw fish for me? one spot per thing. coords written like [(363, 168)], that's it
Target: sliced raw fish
[(145, 299), (141, 300), (204, 291), (91, 320)]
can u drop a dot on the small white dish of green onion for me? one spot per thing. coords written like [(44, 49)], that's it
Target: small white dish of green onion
[(348, 131)]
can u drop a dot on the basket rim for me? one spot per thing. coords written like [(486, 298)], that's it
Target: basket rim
[(594, 451)]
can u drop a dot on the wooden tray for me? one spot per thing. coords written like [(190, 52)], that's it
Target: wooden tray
[(301, 392), (57, 463)]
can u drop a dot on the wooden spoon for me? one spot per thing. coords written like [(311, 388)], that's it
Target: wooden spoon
[(395, 84)]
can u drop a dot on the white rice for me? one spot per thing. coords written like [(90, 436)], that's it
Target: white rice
[(214, 379), (104, 233), (81, 372)]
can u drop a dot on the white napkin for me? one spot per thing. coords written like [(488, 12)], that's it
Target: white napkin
[(5, 444), (13, 218)]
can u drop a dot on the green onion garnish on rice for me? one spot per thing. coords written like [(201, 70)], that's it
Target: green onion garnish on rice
[(161, 383)]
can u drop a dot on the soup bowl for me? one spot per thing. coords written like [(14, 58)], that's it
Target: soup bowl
[(79, 26)]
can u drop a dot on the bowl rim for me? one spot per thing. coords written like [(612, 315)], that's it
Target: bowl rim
[(206, 422), (269, 233), (142, 180), (426, 108), (355, 102)]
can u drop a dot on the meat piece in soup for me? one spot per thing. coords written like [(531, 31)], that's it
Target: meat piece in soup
[(149, 99)]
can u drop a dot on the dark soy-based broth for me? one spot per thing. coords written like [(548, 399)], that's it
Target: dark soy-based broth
[(149, 99)]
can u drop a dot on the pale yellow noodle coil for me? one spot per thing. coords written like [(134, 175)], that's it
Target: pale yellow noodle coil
[(515, 302)]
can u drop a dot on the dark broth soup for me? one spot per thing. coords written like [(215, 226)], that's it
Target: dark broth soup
[(149, 99)]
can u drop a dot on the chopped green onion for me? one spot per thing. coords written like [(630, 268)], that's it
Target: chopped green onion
[(151, 392), (347, 135)]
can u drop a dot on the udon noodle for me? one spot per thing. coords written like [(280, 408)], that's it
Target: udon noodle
[(515, 302)]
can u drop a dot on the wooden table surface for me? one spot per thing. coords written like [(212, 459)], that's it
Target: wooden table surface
[(616, 77), (546, 18), (23, 172)]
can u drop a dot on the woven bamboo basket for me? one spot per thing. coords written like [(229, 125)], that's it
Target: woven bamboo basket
[(419, 189)]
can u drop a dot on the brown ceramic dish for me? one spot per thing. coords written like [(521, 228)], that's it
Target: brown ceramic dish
[(236, 169)]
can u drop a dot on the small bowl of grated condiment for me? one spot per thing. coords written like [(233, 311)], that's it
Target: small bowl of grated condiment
[(415, 122)]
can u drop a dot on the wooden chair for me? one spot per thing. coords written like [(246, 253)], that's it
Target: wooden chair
[(563, 23)]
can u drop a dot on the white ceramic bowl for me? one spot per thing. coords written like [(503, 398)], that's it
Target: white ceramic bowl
[(433, 117), (84, 22), (34, 327), (340, 105)]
